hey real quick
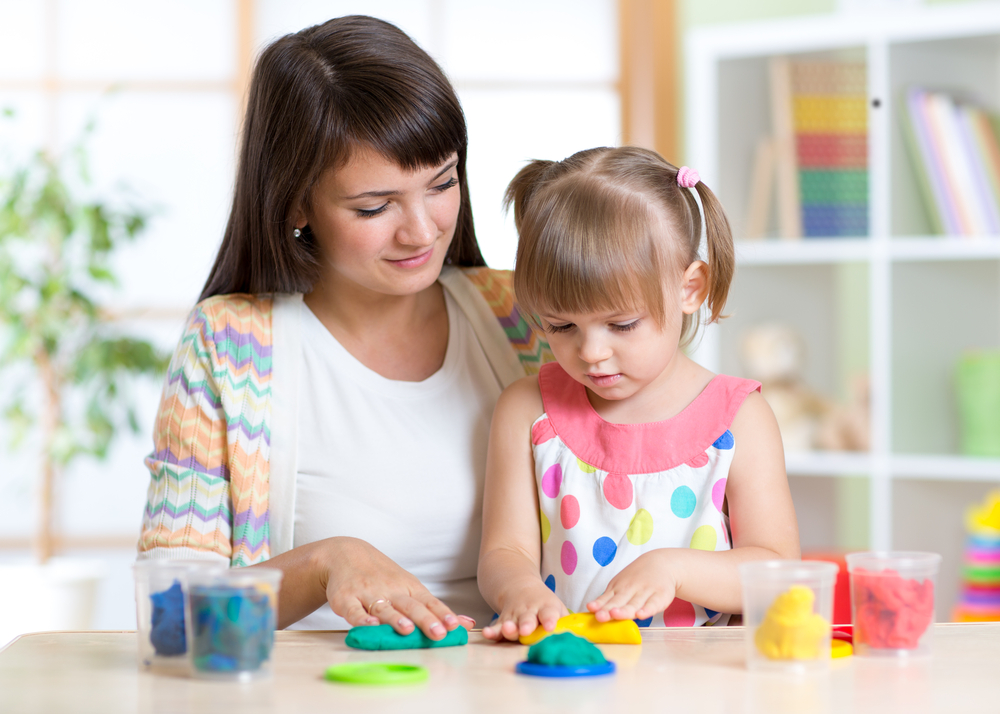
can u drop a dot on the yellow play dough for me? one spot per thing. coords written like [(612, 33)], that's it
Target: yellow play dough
[(584, 624), (791, 630)]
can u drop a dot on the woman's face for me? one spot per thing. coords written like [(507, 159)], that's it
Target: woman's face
[(382, 228)]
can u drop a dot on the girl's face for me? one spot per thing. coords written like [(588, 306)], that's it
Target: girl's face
[(382, 228), (618, 354), (614, 354)]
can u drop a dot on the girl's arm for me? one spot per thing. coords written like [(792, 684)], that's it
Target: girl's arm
[(762, 519), (510, 554)]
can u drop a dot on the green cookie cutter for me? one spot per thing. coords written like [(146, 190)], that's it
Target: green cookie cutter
[(376, 673)]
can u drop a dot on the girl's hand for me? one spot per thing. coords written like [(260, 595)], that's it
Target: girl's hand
[(359, 576), (522, 615), (643, 588)]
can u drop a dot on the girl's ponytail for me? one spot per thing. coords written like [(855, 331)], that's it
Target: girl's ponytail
[(523, 186), (721, 254)]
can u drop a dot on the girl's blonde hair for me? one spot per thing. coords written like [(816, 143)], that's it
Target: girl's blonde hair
[(606, 228)]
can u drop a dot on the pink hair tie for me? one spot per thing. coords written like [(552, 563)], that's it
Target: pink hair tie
[(687, 177)]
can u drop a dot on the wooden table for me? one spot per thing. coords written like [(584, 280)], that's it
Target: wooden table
[(675, 670)]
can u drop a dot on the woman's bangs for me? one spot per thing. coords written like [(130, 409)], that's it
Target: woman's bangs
[(412, 131)]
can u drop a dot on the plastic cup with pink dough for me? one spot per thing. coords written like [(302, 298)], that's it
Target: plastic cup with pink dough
[(787, 611), (892, 602)]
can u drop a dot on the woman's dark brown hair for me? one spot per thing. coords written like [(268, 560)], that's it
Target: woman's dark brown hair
[(316, 96)]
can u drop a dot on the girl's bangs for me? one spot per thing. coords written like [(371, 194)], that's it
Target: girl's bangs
[(589, 257)]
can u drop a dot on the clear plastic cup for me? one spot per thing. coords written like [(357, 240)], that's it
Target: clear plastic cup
[(160, 602), (892, 602), (787, 610), (233, 614)]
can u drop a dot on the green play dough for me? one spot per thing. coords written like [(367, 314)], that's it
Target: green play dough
[(383, 637), (565, 650)]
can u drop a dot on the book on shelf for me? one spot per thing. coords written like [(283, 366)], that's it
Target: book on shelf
[(819, 151), (955, 152)]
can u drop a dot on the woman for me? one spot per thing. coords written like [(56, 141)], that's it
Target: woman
[(327, 410)]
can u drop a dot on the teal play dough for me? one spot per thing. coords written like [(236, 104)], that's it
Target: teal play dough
[(565, 650), (383, 637)]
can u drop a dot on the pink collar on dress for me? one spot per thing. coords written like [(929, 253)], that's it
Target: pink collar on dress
[(639, 448)]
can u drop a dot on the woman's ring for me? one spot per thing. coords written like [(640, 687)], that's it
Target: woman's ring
[(376, 602)]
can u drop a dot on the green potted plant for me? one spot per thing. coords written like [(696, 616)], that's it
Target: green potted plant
[(65, 364)]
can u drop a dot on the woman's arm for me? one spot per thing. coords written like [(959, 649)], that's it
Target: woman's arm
[(510, 554), (763, 523)]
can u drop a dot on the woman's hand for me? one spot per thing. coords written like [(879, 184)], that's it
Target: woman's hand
[(643, 588), (356, 576), (535, 605)]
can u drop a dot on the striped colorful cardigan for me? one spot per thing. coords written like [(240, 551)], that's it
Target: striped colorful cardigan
[(223, 469)]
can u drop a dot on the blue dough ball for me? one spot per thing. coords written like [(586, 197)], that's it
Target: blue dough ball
[(167, 624)]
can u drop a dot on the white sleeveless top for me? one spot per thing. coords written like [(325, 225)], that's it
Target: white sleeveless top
[(397, 464), (610, 492)]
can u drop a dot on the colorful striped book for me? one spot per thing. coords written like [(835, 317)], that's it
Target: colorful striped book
[(830, 109), (955, 153)]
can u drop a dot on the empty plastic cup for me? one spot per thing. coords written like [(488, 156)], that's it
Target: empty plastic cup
[(233, 617), (787, 610), (892, 602)]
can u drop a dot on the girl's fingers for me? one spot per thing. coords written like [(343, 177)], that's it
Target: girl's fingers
[(655, 603), (466, 622), (527, 624), (509, 630), (548, 617), (598, 602), (628, 610), (618, 599)]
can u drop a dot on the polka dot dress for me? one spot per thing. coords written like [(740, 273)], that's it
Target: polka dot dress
[(611, 492)]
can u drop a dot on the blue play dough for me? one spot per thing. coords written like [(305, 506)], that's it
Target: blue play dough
[(233, 628), (644, 623), (725, 441), (166, 632)]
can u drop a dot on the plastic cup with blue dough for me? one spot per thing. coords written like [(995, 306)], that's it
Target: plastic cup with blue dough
[(232, 623), (565, 655), (160, 593)]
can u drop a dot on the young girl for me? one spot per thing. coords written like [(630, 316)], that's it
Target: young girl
[(625, 479)]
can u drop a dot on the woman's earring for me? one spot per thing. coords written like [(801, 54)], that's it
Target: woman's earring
[(297, 233)]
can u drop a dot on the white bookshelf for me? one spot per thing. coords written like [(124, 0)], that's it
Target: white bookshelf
[(928, 297)]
